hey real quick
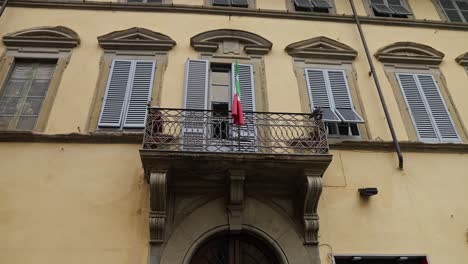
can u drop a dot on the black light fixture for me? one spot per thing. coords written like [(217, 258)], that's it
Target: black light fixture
[(368, 191)]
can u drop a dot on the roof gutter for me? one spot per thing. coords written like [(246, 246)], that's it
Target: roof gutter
[(379, 89)]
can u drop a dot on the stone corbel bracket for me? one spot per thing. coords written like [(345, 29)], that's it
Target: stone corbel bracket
[(158, 206), (236, 199), (313, 190)]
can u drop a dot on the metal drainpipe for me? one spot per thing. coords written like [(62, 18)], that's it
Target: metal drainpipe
[(379, 89), (4, 4)]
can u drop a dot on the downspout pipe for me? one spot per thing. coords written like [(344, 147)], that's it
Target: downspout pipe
[(379, 89), (4, 4)]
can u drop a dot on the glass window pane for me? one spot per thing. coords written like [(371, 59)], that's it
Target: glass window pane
[(22, 71), (39, 88), (26, 123), (9, 105), (14, 87), (44, 71), (462, 5), (5, 122), (447, 4), (32, 106), (453, 16)]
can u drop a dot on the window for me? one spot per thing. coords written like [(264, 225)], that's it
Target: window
[(455, 10), (232, 3), (209, 86), (430, 116), (390, 8), (389, 259), (148, 1), (329, 91), (24, 93), (322, 6), (128, 94)]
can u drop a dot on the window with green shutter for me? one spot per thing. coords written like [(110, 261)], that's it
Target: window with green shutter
[(24, 93), (231, 3), (428, 111), (322, 6), (329, 90), (127, 94)]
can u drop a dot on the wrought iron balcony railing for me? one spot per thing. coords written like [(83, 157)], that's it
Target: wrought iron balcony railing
[(188, 130)]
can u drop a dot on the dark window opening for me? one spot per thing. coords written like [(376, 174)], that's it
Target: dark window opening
[(342, 129), (232, 3), (220, 95), (220, 126), (380, 260), (320, 6), (390, 8)]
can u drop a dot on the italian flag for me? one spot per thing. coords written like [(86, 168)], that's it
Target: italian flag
[(237, 115)]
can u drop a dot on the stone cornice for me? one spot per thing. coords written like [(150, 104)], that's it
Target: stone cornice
[(462, 59), (137, 138), (136, 39), (55, 37), (113, 6), (409, 52), (321, 48)]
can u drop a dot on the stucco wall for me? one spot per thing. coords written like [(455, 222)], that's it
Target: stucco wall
[(89, 204), (79, 79)]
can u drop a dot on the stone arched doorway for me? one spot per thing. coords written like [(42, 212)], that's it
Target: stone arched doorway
[(240, 248)]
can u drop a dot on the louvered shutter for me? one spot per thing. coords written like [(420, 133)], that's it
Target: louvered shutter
[(140, 94), (318, 94), (398, 7), (381, 7), (341, 97), (439, 112), (247, 96), (418, 107), (240, 3), (196, 95), (116, 94), (321, 3)]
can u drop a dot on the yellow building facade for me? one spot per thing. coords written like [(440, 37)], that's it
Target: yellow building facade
[(75, 190)]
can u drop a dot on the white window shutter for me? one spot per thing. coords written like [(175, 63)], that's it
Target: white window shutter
[(247, 97), (417, 107), (341, 97), (318, 94), (439, 112), (196, 84), (140, 94), (196, 98), (116, 93)]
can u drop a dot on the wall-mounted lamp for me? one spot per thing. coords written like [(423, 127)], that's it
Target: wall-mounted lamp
[(368, 192)]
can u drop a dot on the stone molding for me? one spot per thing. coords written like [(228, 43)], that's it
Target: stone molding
[(136, 39), (48, 37), (158, 206), (313, 190), (209, 41), (410, 53), (137, 138), (236, 199), (462, 59), (321, 48)]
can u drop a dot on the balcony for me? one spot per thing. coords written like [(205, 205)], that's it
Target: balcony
[(193, 153), (188, 141)]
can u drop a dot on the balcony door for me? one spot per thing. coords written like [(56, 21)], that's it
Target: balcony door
[(209, 90), (234, 249)]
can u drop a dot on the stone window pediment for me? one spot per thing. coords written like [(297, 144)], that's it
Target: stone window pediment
[(321, 48), (410, 53), (136, 38), (462, 59), (230, 41), (61, 37)]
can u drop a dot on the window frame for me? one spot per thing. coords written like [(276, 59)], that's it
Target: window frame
[(391, 70), (7, 64), (290, 7), (351, 77), (252, 4), (103, 78), (370, 11), (443, 15)]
